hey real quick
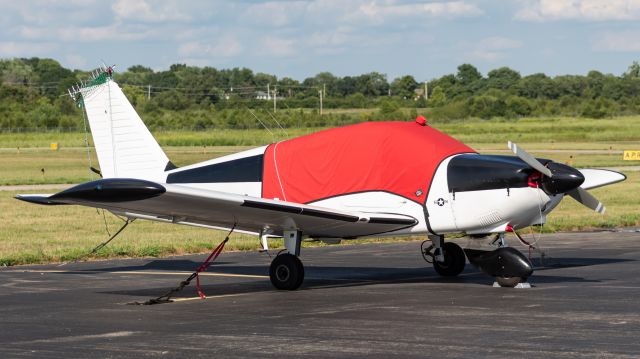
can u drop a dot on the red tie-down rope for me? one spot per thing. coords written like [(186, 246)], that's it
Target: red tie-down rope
[(203, 267), (166, 298)]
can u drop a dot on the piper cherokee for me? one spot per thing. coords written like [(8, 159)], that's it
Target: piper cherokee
[(362, 180)]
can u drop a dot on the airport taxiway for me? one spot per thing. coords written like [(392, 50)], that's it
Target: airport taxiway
[(370, 300)]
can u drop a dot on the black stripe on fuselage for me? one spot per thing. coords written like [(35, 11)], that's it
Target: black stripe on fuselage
[(247, 169)]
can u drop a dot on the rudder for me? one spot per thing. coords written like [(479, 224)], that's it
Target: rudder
[(124, 145)]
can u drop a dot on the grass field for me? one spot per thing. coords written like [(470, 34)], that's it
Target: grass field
[(31, 234)]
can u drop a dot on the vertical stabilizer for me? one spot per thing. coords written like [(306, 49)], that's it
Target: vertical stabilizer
[(124, 145)]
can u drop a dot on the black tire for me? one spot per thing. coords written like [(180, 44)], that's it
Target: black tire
[(509, 281), (454, 260), (286, 272)]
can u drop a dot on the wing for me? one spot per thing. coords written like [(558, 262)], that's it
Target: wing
[(594, 178), (185, 205)]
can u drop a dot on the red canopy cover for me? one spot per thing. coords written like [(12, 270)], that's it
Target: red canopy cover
[(396, 157)]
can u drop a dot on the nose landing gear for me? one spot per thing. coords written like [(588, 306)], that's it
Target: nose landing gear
[(448, 258)]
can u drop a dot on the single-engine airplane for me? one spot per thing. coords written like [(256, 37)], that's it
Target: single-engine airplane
[(362, 180)]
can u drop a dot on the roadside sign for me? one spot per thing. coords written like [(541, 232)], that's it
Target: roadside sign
[(631, 156), (54, 146)]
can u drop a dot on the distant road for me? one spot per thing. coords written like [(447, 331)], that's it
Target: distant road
[(33, 187)]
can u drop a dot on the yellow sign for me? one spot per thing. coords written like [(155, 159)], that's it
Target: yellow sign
[(54, 146), (631, 156)]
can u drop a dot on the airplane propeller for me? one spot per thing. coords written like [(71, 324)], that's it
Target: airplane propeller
[(560, 179)]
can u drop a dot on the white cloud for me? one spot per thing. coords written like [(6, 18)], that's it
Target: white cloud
[(275, 13), (276, 46), (15, 49), (379, 12), (224, 46), (492, 49), (84, 34), (587, 10), (499, 43), (140, 10), (624, 41)]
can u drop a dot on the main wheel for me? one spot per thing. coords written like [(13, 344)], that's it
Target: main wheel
[(454, 260), (286, 272), (509, 281)]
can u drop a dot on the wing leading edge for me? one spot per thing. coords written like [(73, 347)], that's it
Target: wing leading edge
[(193, 206)]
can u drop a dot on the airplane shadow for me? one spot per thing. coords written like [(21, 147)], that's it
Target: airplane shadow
[(559, 262), (326, 277)]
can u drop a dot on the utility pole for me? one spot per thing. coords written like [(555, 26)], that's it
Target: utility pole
[(268, 92), (274, 100), (426, 91), (149, 92), (320, 92)]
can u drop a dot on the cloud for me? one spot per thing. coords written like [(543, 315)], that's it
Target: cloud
[(85, 34), (75, 61), (492, 49), (141, 11), (224, 46), (624, 41), (275, 13), (380, 12), (586, 10), (15, 49), (277, 47)]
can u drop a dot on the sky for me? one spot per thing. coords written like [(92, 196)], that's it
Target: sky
[(299, 39)]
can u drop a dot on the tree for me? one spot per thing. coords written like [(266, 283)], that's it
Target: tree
[(502, 78), (372, 84), (17, 72), (139, 69), (404, 87), (467, 74), (437, 98), (633, 71)]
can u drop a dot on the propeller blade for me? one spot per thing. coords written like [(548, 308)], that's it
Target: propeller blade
[(530, 160), (581, 195)]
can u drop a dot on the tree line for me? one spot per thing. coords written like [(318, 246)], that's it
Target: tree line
[(32, 96)]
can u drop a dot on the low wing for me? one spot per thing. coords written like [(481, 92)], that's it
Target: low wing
[(594, 178), (185, 205)]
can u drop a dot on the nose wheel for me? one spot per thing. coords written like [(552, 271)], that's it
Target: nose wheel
[(286, 272), (454, 260), (448, 258)]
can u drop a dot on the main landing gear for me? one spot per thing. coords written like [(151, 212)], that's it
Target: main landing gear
[(286, 271), (448, 258)]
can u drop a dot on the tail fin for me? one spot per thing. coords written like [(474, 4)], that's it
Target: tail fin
[(124, 145)]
